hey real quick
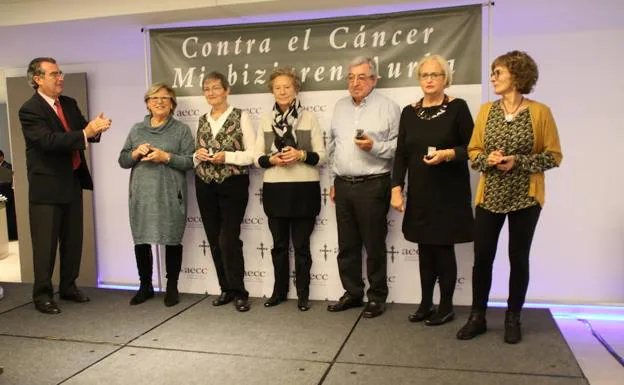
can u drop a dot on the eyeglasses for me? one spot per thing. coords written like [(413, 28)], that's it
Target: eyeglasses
[(496, 73), (159, 98), (431, 75), (359, 78)]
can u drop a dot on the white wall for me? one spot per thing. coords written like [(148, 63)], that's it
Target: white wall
[(577, 253), (579, 247)]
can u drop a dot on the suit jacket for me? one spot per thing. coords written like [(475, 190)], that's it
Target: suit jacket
[(49, 150), (5, 186)]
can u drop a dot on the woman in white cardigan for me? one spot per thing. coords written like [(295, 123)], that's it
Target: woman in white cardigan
[(290, 149)]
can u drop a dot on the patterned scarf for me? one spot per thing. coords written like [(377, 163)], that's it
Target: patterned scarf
[(283, 126)]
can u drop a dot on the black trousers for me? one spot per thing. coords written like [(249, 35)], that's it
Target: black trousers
[(222, 208), (361, 210), (300, 229), (7, 190), (53, 225), (488, 225), (437, 263)]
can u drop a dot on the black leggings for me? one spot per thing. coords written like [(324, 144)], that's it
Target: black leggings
[(437, 262), (488, 225)]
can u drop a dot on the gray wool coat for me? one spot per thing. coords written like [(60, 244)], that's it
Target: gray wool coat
[(157, 195)]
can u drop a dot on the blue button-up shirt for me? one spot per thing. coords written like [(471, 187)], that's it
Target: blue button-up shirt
[(378, 117)]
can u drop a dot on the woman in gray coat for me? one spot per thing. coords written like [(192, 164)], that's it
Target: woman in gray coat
[(159, 151)]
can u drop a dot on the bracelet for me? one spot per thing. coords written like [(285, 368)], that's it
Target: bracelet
[(449, 155), (304, 155)]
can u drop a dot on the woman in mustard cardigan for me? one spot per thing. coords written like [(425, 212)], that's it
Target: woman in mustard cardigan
[(514, 141)]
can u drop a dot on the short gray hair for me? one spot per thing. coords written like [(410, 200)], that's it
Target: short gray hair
[(34, 69), (448, 74), (372, 64), (285, 71), (216, 75)]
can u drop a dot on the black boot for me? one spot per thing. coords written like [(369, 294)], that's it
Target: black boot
[(144, 260), (173, 263), (513, 334), (476, 325)]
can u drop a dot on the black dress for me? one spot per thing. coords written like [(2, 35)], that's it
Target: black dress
[(438, 210)]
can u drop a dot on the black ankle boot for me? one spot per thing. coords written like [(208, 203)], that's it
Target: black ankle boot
[(476, 325), (146, 291), (144, 260), (173, 264), (513, 334), (172, 297)]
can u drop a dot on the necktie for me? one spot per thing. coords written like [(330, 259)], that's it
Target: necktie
[(61, 115)]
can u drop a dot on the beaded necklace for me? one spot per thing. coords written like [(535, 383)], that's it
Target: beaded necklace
[(432, 112)]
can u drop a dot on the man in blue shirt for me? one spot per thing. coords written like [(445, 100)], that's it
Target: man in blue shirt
[(362, 143)]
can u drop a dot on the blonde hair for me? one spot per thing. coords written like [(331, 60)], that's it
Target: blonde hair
[(448, 74), (154, 88)]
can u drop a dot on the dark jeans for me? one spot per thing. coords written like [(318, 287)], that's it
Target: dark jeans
[(361, 210), (488, 225), (281, 230), (222, 208)]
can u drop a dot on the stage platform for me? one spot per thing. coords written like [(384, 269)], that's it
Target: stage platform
[(106, 341)]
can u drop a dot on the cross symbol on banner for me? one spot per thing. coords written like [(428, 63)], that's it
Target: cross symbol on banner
[(325, 250), (392, 251), (203, 246), (259, 194), (325, 194), (262, 249)]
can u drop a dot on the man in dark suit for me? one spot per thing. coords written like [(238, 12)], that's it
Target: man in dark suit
[(56, 134)]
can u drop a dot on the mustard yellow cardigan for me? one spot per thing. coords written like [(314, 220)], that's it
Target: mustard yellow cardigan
[(545, 139)]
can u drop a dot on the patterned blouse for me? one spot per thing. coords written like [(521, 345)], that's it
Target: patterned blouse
[(229, 138), (509, 191)]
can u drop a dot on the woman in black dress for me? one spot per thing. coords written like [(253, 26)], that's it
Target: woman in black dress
[(433, 136)]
